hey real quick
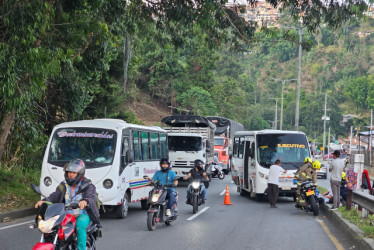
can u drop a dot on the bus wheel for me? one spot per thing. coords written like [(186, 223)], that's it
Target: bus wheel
[(123, 209), (144, 204), (259, 197), (242, 192)]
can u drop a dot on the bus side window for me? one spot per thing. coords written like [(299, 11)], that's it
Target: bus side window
[(163, 145), (155, 146), (236, 146), (136, 145), (145, 146), (252, 150), (126, 157), (241, 147)]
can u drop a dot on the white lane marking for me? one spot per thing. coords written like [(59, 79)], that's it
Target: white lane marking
[(223, 192), (195, 215), (16, 225)]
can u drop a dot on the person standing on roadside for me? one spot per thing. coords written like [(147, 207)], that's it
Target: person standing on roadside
[(351, 178), (273, 190), (336, 169)]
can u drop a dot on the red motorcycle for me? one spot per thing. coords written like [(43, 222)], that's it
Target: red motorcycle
[(58, 227)]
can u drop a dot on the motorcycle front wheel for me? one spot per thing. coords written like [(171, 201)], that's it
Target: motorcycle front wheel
[(314, 205), (151, 221), (195, 206)]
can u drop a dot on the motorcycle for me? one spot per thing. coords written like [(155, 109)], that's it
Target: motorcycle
[(157, 206), (196, 190), (58, 227), (217, 172), (309, 192)]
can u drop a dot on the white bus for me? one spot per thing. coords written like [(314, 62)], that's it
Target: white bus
[(117, 155), (255, 151)]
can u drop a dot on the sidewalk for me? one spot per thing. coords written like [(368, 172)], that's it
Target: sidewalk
[(357, 234), (16, 214)]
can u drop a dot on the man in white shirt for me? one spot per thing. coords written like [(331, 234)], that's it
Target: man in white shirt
[(273, 190), (336, 169)]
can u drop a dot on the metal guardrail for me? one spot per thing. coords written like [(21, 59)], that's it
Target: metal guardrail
[(364, 200)]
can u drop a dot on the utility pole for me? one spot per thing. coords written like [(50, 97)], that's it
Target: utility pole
[(276, 113), (281, 115), (328, 146), (371, 129), (298, 80), (300, 29), (325, 118)]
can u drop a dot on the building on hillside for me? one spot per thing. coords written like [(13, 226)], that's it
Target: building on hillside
[(346, 118)]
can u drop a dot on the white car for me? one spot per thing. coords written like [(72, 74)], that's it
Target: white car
[(322, 171)]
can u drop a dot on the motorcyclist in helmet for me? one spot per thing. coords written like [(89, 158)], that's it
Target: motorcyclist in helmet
[(167, 176), (308, 171), (66, 192), (196, 173)]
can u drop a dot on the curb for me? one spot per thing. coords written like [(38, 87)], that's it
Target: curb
[(16, 214), (357, 234)]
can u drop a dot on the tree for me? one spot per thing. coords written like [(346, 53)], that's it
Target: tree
[(198, 101)]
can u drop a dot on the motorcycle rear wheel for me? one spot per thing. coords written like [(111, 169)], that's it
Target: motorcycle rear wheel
[(195, 206), (151, 221), (221, 176), (314, 205)]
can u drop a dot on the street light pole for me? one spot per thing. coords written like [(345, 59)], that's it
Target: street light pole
[(276, 113), (298, 80), (281, 115), (300, 29)]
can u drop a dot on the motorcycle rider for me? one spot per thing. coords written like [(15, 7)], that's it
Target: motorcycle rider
[(197, 173), (306, 172), (66, 193), (167, 176)]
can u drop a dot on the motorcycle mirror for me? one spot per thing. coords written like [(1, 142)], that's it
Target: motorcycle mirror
[(36, 189), (146, 177)]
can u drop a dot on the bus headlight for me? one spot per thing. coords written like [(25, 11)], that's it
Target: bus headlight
[(263, 176), (108, 183), (47, 181)]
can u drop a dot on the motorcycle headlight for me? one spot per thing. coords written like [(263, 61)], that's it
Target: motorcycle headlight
[(45, 226), (155, 197), (195, 185)]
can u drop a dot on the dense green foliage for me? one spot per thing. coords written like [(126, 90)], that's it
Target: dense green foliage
[(67, 60)]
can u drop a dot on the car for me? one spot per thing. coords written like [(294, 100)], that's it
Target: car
[(326, 157), (322, 172)]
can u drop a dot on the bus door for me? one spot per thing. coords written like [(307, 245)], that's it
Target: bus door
[(126, 159), (246, 163)]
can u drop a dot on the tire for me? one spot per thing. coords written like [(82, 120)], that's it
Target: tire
[(221, 176), (144, 204), (314, 205), (167, 223), (243, 192), (151, 221), (260, 197), (122, 210), (195, 206), (325, 177)]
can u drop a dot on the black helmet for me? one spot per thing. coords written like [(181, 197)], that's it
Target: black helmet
[(197, 163), (164, 161), (76, 166)]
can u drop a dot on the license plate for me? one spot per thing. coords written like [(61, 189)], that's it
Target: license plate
[(286, 188), (310, 193)]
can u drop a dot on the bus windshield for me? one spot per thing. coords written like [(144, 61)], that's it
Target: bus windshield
[(94, 146), (184, 143), (218, 141), (290, 149)]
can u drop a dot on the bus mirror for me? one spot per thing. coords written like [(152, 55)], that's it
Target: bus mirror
[(207, 150), (207, 145)]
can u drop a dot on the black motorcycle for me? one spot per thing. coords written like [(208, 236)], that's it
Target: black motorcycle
[(309, 193), (157, 206), (196, 190)]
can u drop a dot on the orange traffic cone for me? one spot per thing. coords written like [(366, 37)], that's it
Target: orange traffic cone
[(227, 197)]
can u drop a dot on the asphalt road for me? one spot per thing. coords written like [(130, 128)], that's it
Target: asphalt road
[(246, 224)]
